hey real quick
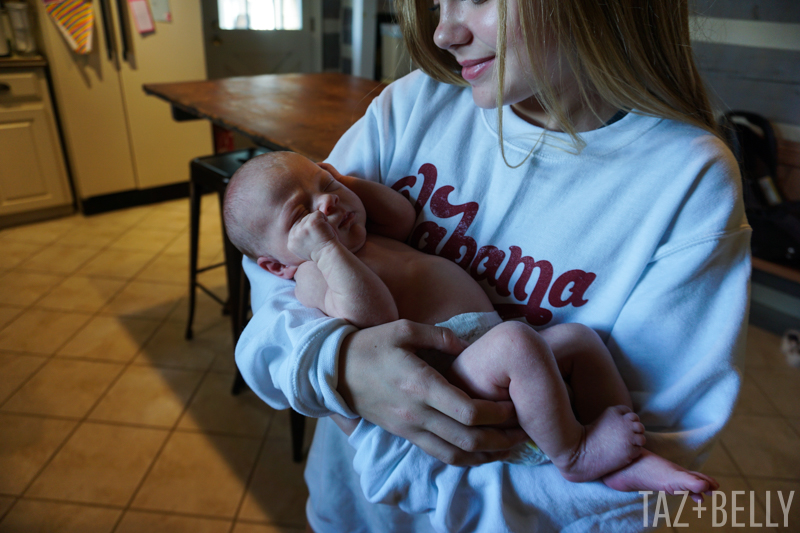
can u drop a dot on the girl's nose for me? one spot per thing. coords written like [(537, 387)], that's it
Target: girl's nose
[(327, 203), (451, 30)]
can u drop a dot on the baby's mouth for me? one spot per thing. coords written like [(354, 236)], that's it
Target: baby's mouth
[(346, 219)]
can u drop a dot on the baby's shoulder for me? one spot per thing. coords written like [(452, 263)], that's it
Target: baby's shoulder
[(384, 247)]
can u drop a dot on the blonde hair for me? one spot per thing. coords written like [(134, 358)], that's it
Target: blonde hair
[(633, 54)]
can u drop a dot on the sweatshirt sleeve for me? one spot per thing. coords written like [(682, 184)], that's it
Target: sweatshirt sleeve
[(679, 339), (679, 342), (288, 354)]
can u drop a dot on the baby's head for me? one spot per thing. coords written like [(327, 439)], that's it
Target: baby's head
[(271, 193)]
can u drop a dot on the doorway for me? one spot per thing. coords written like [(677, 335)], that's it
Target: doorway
[(250, 37)]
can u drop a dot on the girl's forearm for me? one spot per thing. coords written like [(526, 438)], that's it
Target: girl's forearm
[(388, 212)]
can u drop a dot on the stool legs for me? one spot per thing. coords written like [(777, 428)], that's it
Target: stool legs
[(211, 174), (233, 271), (298, 423), (239, 385), (195, 196)]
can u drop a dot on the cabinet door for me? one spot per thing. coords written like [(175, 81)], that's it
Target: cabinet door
[(31, 174)]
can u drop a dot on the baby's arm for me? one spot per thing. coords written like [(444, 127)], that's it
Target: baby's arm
[(334, 280), (389, 214)]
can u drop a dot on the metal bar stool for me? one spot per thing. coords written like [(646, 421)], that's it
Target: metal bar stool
[(211, 174)]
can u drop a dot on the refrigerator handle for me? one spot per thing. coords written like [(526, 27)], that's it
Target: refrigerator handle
[(111, 47), (123, 27)]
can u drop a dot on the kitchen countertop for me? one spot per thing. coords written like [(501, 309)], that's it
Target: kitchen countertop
[(15, 61)]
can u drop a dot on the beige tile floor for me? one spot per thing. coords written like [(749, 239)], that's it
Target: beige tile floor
[(110, 421)]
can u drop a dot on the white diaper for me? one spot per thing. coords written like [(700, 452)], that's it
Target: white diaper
[(472, 326)]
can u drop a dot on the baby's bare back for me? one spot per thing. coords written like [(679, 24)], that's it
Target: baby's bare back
[(426, 288)]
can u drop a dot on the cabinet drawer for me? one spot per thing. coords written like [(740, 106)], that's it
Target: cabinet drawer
[(19, 85)]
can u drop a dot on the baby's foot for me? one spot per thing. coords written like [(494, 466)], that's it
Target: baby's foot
[(653, 472), (609, 443)]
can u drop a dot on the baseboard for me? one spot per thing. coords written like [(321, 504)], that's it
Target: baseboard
[(122, 200), (29, 217), (771, 319)]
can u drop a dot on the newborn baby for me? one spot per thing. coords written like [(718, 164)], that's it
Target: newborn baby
[(341, 239)]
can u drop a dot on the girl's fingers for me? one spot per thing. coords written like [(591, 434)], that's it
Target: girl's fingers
[(423, 336), (452, 455)]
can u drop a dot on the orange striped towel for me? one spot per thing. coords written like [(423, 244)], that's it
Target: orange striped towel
[(75, 19)]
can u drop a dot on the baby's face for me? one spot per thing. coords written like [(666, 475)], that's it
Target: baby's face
[(307, 188)]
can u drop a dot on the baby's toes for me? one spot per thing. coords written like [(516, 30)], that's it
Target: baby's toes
[(713, 484), (698, 483), (638, 427), (638, 439), (631, 416), (622, 410)]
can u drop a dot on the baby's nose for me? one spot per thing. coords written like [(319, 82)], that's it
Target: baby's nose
[(328, 202)]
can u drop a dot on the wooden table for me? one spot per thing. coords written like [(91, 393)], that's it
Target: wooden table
[(305, 113)]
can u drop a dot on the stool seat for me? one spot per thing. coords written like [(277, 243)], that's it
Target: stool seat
[(211, 174)]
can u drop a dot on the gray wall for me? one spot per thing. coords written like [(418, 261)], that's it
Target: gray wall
[(749, 53)]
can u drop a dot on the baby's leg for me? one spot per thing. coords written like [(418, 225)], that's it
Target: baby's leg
[(586, 363), (587, 366), (513, 361)]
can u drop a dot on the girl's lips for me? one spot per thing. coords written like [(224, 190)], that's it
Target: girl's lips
[(472, 69)]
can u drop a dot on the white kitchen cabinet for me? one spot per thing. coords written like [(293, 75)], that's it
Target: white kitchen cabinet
[(32, 171)]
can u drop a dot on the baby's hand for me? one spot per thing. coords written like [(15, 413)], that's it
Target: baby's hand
[(311, 235)]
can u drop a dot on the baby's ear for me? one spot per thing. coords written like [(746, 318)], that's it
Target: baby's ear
[(276, 268)]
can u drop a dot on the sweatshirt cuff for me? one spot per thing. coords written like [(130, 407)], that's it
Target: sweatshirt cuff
[(328, 372)]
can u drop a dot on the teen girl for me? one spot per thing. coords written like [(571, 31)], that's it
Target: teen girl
[(564, 153)]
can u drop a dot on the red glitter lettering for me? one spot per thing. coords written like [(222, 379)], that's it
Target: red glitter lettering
[(458, 241), (433, 234), (494, 259), (429, 174), (580, 282)]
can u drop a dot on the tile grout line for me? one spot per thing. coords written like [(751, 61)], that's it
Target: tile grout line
[(10, 508), (169, 436), (82, 420), (251, 475), (52, 356), (777, 409)]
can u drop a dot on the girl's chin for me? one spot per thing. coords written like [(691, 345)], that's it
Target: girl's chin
[(483, 100)]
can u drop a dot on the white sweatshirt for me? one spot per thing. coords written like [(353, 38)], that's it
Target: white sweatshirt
[(641, 236)]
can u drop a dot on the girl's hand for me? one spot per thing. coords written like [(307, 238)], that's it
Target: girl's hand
[(348, 425), (382, 380)]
